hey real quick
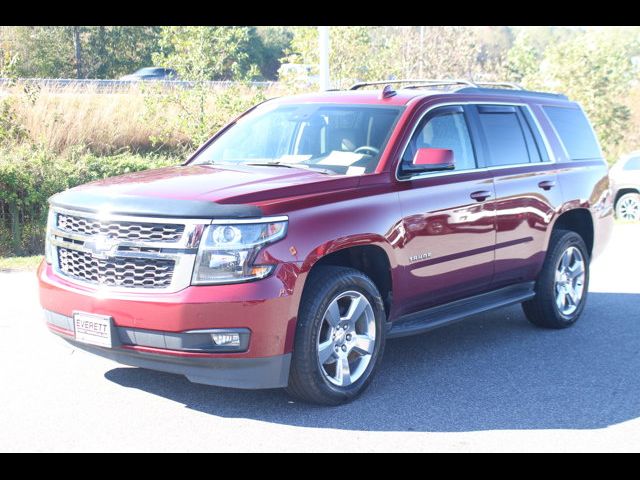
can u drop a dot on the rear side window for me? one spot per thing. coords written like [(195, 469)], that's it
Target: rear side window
[(574, 131), (632, 164), (506, 141)]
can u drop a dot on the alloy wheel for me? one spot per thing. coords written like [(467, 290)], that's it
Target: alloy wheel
[(347, 338), (569, 281)]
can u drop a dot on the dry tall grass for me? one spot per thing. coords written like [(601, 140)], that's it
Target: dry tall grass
[(103, 122)]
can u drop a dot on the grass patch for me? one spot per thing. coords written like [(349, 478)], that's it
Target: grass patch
[(16, 264)]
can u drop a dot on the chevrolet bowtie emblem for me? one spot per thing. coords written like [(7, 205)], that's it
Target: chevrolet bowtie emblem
[(101, 247)]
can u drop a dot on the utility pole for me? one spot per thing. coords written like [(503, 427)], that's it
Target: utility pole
[(323, 44)]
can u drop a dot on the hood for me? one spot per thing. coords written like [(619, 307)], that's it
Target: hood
[(199, 185)]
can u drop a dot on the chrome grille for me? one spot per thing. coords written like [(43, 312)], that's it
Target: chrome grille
[(131, 231), (124, 253), (116, 271)]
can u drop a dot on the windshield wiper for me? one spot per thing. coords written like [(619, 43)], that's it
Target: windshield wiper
[(269, 164), (289, 165)]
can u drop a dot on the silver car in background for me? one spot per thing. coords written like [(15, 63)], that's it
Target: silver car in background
[(625, 184), (152, 73)]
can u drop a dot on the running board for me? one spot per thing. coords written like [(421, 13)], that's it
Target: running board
[(434, 317)]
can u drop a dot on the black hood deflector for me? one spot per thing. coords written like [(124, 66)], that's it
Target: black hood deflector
[(150, 206)]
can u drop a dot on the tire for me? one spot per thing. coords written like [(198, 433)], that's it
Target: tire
[(330, 294), (559, 302), (628, 207)]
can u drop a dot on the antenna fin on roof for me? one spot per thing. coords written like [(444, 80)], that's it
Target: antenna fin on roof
[(387, 92)]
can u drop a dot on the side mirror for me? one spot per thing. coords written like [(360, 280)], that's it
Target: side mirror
[(433, 159)]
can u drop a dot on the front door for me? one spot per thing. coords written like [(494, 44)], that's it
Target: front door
[(448, 217)]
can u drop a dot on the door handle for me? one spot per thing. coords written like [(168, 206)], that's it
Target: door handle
[(547, 184), (480, 195)]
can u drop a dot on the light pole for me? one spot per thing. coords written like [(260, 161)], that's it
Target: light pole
[(323, 44)]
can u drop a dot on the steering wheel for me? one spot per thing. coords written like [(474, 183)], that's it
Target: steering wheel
[(368, 150)]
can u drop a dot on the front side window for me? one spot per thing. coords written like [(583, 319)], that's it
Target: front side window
[(445, 129), (332, 139)]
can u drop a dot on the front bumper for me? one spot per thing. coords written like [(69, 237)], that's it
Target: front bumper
[(249, 373), (266, 308)]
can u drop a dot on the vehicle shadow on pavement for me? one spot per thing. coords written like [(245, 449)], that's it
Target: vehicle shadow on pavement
[(492, 371)]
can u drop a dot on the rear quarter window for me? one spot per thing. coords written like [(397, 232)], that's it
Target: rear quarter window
[(574, 131)]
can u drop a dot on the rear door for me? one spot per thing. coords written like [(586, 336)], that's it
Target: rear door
[(448, 221), (526, 186)]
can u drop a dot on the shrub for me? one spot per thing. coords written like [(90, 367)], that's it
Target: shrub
[(192, 115), (30, 175), (10, 128)]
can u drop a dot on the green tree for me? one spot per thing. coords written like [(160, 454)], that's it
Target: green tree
[(113, 51), (440, 52), (44, 51), (375, 53), (8, 56), (523, 59), (595, 68), (105, 51), (353, 54), (200, 54), (208, 53), (528, 50), (494, 42), (273, 41)]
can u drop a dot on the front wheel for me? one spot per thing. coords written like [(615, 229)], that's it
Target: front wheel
[(340, 336), (561, 289)]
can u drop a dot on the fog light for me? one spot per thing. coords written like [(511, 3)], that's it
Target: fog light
[(226, 339)]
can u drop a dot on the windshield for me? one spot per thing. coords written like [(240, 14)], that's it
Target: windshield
[(333, 139)]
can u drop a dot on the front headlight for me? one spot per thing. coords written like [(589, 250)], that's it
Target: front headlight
[(48, 248), (227, 252)]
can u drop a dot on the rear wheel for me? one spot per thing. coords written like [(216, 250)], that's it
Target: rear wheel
[(628, 207), (340, 336), (561, 289)]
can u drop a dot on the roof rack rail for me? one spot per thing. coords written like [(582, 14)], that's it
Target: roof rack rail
[(512, 85), (425, 82), (466, 86), (511, 92), (441, 83)]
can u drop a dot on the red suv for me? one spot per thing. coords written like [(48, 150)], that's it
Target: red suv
[(311, 229)]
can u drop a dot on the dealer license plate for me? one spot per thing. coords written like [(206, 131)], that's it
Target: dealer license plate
[(93, 329)]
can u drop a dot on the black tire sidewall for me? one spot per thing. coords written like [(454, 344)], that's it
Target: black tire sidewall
[(568, 239), (313, 308)]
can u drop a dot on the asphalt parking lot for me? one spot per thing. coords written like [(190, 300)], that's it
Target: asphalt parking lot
[(491, 383)]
